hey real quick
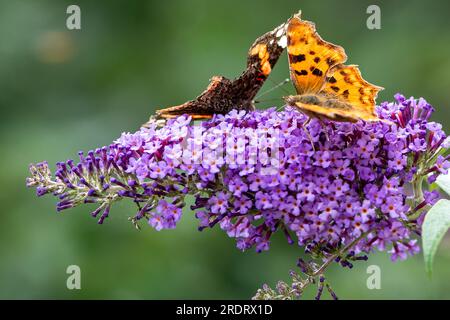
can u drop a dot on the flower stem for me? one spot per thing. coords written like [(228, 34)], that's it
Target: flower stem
[(417, 189), (322, 268)]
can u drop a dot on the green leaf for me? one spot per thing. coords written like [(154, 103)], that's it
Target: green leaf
[(443, 181), (435, 225)]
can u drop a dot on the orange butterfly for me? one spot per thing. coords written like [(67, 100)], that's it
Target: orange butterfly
[(326, 87)]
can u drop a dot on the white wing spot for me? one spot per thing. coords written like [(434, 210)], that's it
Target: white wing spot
[(279, 33), (282, 42)]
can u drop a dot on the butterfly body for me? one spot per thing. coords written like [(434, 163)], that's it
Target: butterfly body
[(326, 87), (321, 107)]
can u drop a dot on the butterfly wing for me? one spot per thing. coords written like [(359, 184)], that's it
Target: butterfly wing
[(346, 83), (222, 95), (310, 57), (265, 51), (334, 113)]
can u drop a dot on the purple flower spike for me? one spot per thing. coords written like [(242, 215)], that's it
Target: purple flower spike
[(256, 173)]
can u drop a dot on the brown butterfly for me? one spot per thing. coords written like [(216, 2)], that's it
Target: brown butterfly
[(222, 95), (326, 87)]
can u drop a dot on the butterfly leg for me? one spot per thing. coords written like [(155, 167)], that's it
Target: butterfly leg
[(307, 132), (324, 126)]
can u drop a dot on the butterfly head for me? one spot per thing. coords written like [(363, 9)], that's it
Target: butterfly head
[(303, 98)]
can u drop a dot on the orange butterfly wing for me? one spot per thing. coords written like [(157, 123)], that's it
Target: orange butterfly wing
[(347, 84), (336, 111), (328, 112), (317, 68), (310, 57)]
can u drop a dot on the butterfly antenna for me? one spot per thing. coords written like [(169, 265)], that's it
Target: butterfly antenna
[(267, 100), (278, 85), (280, 107), (281, 84)]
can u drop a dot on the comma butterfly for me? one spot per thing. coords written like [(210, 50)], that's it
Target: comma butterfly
[(326, 87)]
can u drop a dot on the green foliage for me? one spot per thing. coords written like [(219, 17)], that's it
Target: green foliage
[(435, 225), (443, 181)]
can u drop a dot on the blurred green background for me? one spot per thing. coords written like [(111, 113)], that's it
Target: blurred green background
[(62, 91)]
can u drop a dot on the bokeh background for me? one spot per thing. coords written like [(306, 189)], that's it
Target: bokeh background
[(62, 91)]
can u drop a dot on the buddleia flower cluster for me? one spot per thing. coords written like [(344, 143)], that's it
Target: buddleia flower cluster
[(337, 190)]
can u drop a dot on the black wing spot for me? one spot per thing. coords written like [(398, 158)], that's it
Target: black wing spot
[(330, 61), (335, 89), (332, 80), (345, 94), (297, 58), (304, 40), (301, 73), (317, 72), (316, 59), (312, 53)]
